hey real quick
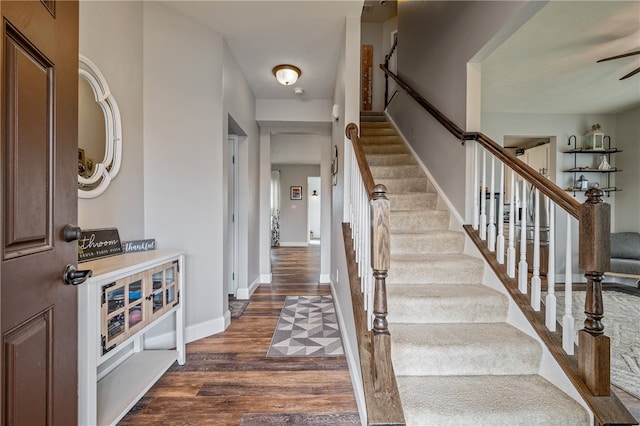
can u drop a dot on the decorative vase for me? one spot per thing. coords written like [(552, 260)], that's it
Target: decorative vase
[(604, 164)]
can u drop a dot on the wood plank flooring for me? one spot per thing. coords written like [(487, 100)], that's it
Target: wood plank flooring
[(228, 380)]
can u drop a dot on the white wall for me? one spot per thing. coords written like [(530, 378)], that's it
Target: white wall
[(628, 200), (117, 51), (436, 39), (184, 156), (294, 213), (293, 110)]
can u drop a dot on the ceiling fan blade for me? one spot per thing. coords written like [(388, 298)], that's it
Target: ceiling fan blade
[(624, 55), (634, 72)]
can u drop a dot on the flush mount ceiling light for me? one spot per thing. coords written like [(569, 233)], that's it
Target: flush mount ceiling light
[(286, 74)]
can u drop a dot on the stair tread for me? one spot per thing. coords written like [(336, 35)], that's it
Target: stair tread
[(434, 257), (471, 336), (487, 400), (463, 349), (445, 303)]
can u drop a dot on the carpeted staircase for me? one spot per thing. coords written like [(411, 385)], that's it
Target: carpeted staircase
[(456, 359)]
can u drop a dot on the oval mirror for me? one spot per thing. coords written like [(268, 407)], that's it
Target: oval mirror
[(99, 132)]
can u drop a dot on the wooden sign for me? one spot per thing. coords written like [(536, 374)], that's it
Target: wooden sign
[(98, 243), (367, 77), (138, 245)]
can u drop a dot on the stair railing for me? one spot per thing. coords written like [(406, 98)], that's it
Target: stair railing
[(370, 215), (387, 61), (589, 370)]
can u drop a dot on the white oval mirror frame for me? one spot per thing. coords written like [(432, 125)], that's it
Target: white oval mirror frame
[(104, 171)]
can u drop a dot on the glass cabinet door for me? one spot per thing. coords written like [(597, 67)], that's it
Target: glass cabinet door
[(164, 289), (123, 310)]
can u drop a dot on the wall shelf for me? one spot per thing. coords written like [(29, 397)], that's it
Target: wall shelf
[(608, 151)]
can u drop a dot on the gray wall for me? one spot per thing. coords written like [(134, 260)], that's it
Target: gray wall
[(175, 107), (436, 39), (628, 201), (117, 51), (293, 213)]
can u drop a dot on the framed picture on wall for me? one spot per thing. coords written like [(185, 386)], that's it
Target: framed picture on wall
[(296, 193)]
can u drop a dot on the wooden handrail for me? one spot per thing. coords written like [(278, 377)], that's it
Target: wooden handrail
[(548, 188), (352, 133)]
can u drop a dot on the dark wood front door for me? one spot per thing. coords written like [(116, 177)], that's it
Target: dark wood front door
[(38, 166)]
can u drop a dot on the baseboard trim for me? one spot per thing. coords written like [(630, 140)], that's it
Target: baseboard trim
[(265, 279), (245, 293), (294, 244), (352, 361), (325, 279), (204, 329)]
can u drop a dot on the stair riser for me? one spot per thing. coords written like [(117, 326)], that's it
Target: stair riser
[(373, 119), (384, 149), (463, 349), (377, 132), (423, 310), (413, 201), (381, 140), (429, 272), (390, 159), (487, 401), (365, 124), (430, 243), (405, 185), (396, 172), (428, 220), (462, 360)]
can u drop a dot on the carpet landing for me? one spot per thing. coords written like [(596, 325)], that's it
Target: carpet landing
[(307, 327)]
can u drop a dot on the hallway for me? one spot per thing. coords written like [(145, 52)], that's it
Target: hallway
[(228, 380)]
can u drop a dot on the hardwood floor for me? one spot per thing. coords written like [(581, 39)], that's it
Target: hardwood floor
[(228, 380)]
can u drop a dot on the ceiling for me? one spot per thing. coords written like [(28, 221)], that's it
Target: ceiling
[(549, 64), (264, 33)]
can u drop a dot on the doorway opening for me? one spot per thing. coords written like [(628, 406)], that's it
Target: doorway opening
[(314, 211)]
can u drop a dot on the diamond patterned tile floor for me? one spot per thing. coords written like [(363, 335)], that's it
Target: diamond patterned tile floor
[(307, 327)]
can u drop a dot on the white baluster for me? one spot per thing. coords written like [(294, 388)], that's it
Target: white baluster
[(476, 207), (511, 251), (568, 322), (535, 280), (483, 199), (491, 241), (523, 266), (500, 220), (550, 300), (354, 184)]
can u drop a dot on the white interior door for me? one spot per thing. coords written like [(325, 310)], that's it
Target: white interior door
[(233, 215)]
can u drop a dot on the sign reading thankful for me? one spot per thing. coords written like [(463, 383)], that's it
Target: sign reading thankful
[(138, 245), (97, 243)]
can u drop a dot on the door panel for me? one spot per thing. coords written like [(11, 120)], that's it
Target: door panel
[(28, 148), (38, 186)]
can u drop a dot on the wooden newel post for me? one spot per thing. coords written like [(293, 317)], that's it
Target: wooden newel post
[(594, 364), (380, 262)]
